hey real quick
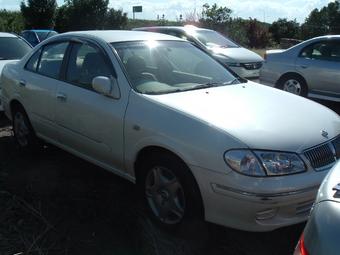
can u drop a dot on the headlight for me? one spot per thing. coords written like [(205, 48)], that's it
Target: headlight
[(264, 163), (234, 64)]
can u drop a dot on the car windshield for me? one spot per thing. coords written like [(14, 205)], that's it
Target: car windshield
[(159, 67), (13, 48), (213, 39), (46, 34)]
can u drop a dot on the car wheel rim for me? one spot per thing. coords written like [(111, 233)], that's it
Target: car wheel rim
[(292, 86), (165, 195), (21, 129)]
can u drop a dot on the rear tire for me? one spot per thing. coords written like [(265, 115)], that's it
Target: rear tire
[(171, 195), (294, 84), (23, 132)]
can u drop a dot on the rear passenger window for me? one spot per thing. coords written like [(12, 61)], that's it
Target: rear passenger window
[(32, 64), (51, 59)]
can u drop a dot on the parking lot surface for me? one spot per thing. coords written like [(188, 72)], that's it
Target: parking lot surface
[(54, 203)]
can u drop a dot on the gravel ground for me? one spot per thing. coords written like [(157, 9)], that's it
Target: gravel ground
[(54, 203)]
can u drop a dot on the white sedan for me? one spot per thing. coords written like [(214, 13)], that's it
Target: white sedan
[(161, 113)]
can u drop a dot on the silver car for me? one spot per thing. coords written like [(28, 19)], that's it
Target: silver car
[(242, 61), (321, 234), (156, 110), (310, 68)]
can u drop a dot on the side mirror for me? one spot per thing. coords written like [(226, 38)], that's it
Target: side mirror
[(106, 86)]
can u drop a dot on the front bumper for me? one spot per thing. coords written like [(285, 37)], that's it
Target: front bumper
[(256, 204), (245, 73)]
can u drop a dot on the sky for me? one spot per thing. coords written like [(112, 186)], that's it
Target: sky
[(263, 10)]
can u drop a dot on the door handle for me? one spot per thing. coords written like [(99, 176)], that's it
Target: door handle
[(303, 66), (61, 96), (22, 83)]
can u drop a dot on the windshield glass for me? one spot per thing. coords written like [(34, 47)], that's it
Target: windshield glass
[(213, 39), (44, 35), (158, 67), (13, 48)]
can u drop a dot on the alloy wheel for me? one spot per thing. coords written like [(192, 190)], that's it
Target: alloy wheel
[(292, 86), (165, 195)]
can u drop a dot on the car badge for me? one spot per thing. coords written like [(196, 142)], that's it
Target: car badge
[(324, 133)]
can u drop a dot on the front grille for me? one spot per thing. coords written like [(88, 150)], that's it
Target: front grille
[(252, 66), (324, 154)]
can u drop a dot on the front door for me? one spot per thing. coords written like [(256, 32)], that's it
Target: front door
[(90, 123)]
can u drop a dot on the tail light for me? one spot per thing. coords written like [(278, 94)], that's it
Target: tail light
[(301, 248)]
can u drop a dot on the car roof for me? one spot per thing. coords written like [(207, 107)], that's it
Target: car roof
[(111, 36), (4, 34), (175, 28), (40, 30)]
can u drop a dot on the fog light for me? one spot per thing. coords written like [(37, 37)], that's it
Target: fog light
[(266, 214)]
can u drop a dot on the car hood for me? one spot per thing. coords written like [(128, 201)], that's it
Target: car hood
[(259, 116), (3, 63), (332, 180), (240, 54)]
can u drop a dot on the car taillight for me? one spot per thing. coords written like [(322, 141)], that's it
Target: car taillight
[(301, 248)]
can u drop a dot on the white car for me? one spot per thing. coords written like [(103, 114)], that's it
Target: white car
[(161, 113), (244, 62), (12, 47)]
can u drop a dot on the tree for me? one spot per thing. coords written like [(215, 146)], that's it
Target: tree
[(82, 15), (322, 22), (116, 19), (11, 21), (38, 13), (258, 34), (214, 16), (283, 28)]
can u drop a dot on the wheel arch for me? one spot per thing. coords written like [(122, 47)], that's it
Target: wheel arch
[(283, 76), (16, 104), (148, 152)]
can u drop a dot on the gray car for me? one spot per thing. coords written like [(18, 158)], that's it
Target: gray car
[(310, 68), (242, 61), (321, 235)]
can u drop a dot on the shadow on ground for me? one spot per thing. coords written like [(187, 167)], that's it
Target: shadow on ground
[(54, 203)]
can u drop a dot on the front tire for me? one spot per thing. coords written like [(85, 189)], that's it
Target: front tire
[(170, 192), (23, 131), (294, 84)]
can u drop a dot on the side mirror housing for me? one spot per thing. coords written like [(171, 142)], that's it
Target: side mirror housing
[(106, 86)]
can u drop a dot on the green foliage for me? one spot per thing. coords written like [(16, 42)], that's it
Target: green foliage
[(236, 30), (39, 13), (82, 15), (11, 21), (283, 28), (116, 19), (322, 22), (257, 33), (214, 16)]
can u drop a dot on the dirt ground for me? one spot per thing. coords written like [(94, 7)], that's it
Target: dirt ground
[(54, 203)]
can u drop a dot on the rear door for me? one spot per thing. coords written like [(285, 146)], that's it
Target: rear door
[(89, 123), (39, 81), (319, 63)]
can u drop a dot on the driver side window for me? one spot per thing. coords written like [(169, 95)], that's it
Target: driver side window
[(86, 62)]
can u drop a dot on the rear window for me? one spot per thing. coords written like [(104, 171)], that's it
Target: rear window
[(44, 35), (13, 48)]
